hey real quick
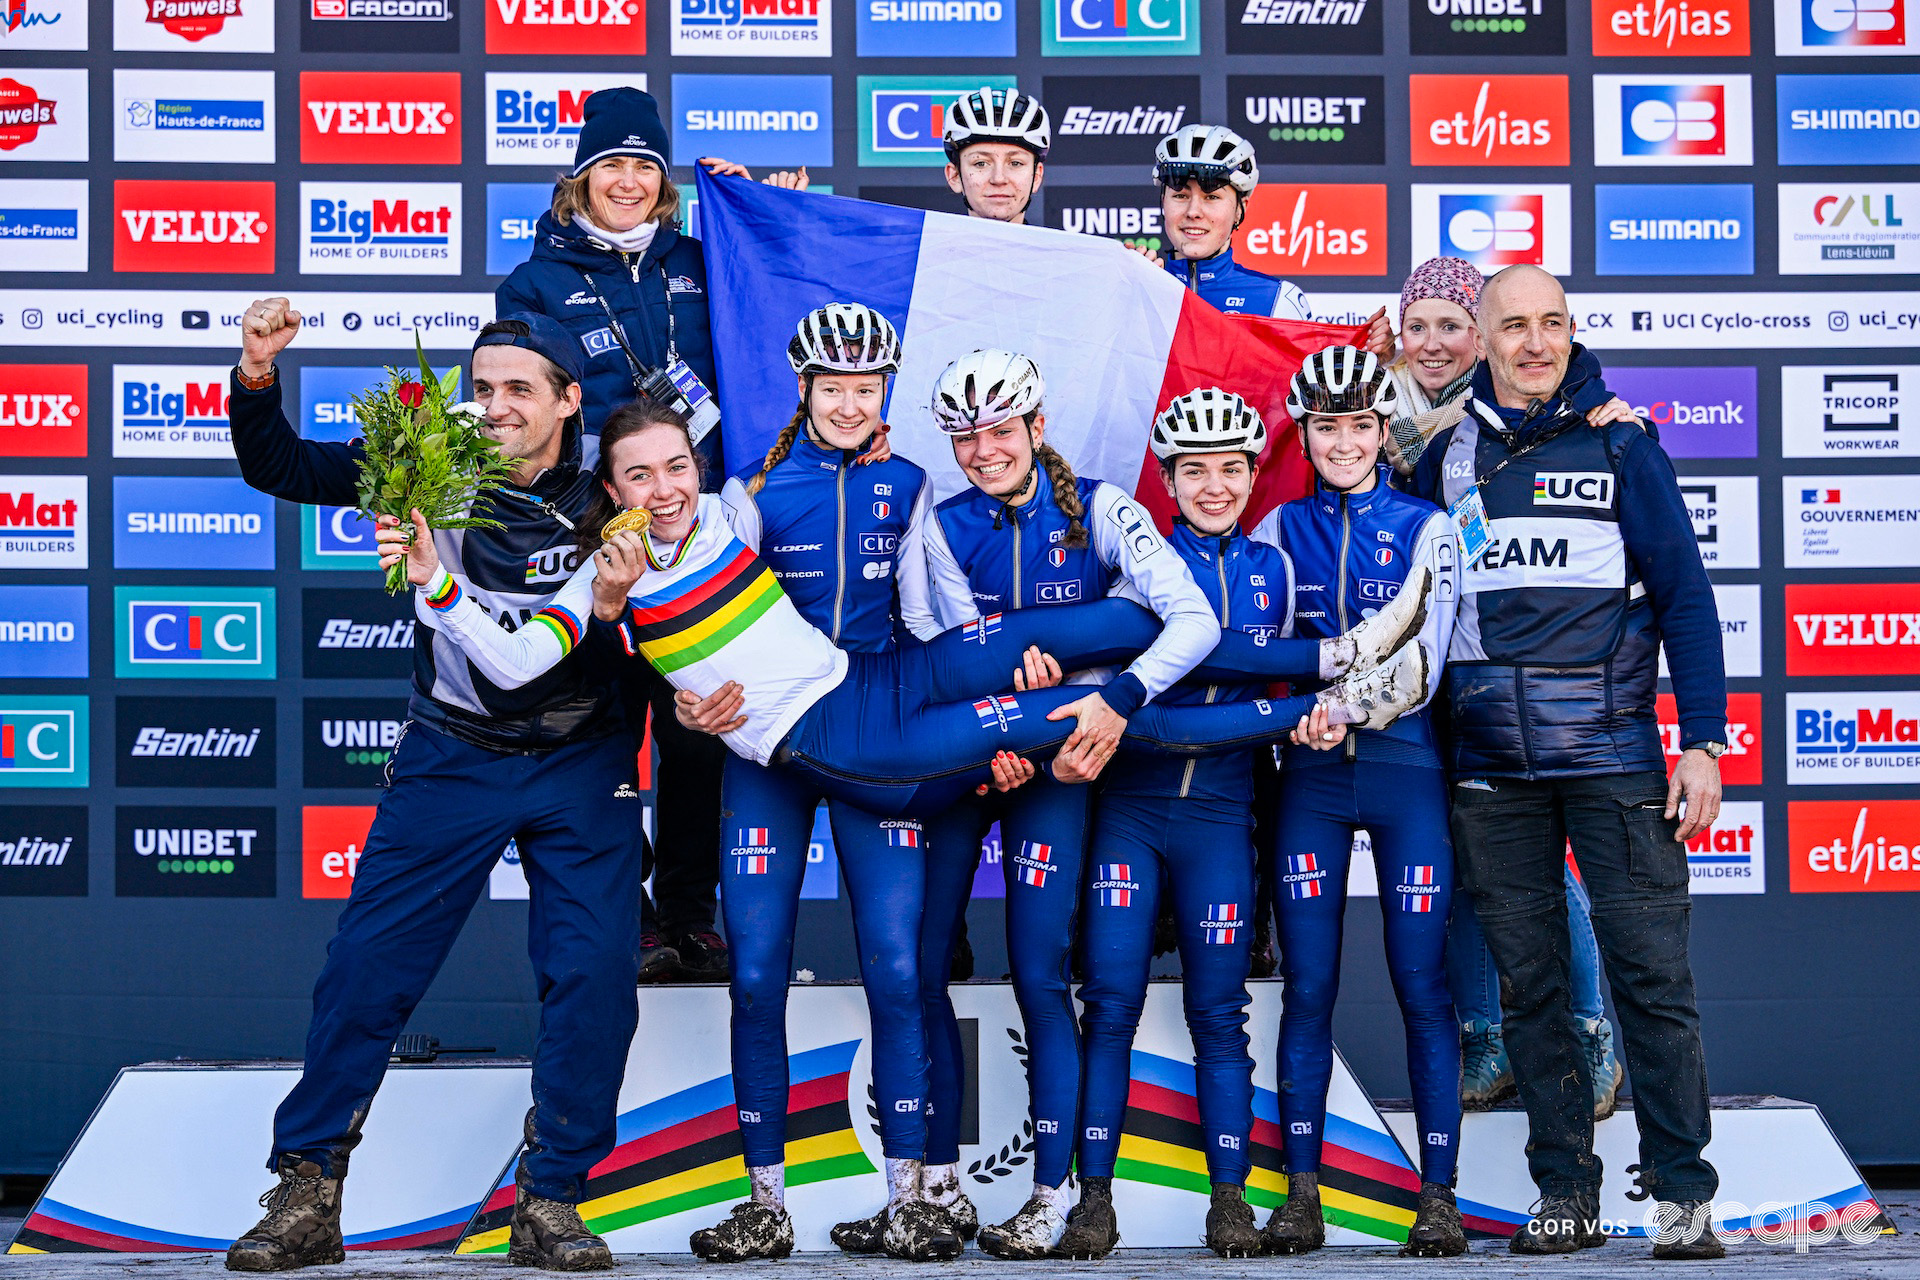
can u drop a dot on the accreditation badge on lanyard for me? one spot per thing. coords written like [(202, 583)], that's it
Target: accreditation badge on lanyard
[(676, 386), (703, 415), (1469, 514)]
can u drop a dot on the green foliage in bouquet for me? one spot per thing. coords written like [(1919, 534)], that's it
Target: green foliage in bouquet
[(425, 452)]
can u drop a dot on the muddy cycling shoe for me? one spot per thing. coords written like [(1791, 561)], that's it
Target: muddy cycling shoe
[(1485, 1074), (1384, 694), (1561, 1224), (302, 1226), (658, 961), (1372, 641), (550, 1235), (1093, 1229), (1437, 1232), (751, 1231), (1296, 1226), (1031, 1233), (862, 1235), (1686, 1232), (917, 1231), (1230, 1229), (966, 1218)]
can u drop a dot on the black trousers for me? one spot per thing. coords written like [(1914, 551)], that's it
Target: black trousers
[(1510, 836), (683, 858)]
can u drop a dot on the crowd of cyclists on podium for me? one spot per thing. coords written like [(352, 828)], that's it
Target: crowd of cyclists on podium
[(1472, 710)]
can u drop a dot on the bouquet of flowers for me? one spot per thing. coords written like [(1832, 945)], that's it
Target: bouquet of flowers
[(425, 451)]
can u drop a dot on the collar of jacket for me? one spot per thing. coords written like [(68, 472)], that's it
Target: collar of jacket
[(1186, 538), (576, 248), (1556, 414), (1327, 498), (1208, 268), (811, 452)]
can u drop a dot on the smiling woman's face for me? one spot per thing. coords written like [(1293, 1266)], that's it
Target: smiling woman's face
[(655, 468)]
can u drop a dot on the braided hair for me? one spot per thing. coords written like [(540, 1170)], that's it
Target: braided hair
[(782, 445), (1066, 493)]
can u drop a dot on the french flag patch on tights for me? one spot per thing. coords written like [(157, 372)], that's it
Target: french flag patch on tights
[(1222, 925), (1304, 875)]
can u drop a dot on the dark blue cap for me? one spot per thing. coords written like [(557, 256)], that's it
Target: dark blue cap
[(620, 122), (537, 333)]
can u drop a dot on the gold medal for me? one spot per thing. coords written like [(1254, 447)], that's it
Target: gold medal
[(633, 520)]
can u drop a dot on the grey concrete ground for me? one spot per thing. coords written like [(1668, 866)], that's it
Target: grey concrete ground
[(1890, 1258)]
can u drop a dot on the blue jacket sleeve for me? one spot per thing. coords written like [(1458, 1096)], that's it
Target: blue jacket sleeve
[(1425, 481), (1660, 542), (274, 459)]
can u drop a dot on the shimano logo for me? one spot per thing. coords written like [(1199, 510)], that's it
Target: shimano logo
[(1674, 229), (716, 121)]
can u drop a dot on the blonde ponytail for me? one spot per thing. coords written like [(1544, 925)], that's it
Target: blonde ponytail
[(782, 446), (1066, 495)]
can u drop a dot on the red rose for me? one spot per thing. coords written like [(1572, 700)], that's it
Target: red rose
[(411, 394)]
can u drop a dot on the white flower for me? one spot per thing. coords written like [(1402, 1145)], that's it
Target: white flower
[(472, 409)]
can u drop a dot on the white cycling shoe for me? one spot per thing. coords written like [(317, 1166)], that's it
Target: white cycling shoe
[(1384, 694), (1374, 640), (1031, 1233)]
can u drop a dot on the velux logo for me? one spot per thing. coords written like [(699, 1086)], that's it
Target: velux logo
[(43, 410), (360, 117), (217, 227), (601, 27)]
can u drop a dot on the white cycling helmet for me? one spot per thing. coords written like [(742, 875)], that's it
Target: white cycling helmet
[(985, 388), (1342, 380), (1210, 154), (997, 115), (845, 337), (1208, 420)]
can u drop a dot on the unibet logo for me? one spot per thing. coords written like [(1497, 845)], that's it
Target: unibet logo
[(43, 410), (360, 117), (604, 28), (1489, 120), (23, 113), (1470, 27), (210, 227), (193, 19)]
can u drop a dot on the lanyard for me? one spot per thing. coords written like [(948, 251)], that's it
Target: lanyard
[(540, 502), (1501, 465), (620, 332)]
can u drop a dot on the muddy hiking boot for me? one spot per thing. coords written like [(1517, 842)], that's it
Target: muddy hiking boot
[(1437, 1231), (1596, 1041), (1296, 1226), (1231, 1232), (1093, 1229), (1486, 1076), (550, 1235), (1685, 1232), (302, 1226), (917, 1231), (752, 1230), (1561, 1224)]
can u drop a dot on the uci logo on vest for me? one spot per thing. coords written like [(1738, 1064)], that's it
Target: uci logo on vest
[(1573, 489), (1101, 28), (194, 633)]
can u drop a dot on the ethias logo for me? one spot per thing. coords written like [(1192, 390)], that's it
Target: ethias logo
[(1489, 120), (1328, 229), (1847, 846), (1671, 28)]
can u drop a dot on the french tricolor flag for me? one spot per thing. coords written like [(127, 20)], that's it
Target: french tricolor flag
[(755, 837), (1223, 923), (903, 837), (1115, 337), (1820, 497), (753, 864), (1415, 880)]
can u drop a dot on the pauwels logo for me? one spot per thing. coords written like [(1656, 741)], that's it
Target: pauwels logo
[(368, 117), (170, 411), (1304, 26), (1851, 629), (380, 228), (43, 115), (1104, 28), (1470, 27), (752, 28), (43, 852), (43, 742), (43, 522), (1672, 28), (1489, 120), (605, 28), (215, 228), (179, 851), (194, 633), (1328, 229), (43, 410), (193, 26), (1853, 846)]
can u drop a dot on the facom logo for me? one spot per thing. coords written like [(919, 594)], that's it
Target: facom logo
[(368, 117), (380, 10), (170, 411), (1853, 846), (1845, 120), (1684, 120), (190, 522), (43, 742), (1671, 28), (199, 227), (1702, 412), (224, 116), (1103, 28), (903, 119), (1731, 856), (1489, 120), (935, 28), (1831, 28), (1864, 231), (1494, 226), (1673, 230), (332, 837), (349, 26), (1847, 738), (1311, 119), (43, 410), (605, 28), (1304, 26), (194, 633), (1852, 522), (535, 119), (43, 225), (1832, 411), (513, 216), (43, 117), (43, 522), (43, 632), (1327, 229), (1743, 762), (43, 24), (1853, 629), (752, 28), (380, 228), (326, 398), (754, 119)]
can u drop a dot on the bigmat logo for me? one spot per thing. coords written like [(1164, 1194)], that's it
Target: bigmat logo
[(214, 228), (43, 632), (190, 522), (43, 522), (1489, 120), (1853, 846), (1726, 519), (1672, 120), (1829, 228), (753, 119), (194, 633), (380, 228), (1103, 28), (170, 411), (192, 116), (1849, 411), (1328, 229), (1838, 120), (356, 634), (1838, 28), (380, 117), (1711, 412), (43, 852), (536, 118), (348, 741), (336, 538), (43, 225), (194, 742), (43, 411), (331, 839), (350, 26), (193, 26), (1731, 857), (43, 742), (940, 29), (1851, 522), (1311, 119), (44, 24), (1853, 629), (1642, 230), (605, 28), (1671, 29), (904, 118), (752, 28), (513, 212), (43, 115), (1494, 226), (1470, 27), (1743, 763), (180, 851), (1102, 120), (1304, 26), (1843, 738)]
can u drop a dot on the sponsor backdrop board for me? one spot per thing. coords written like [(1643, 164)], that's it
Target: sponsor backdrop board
[(1731, 188)]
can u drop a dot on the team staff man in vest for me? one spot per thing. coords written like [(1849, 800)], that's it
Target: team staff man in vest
[(1580, 562)]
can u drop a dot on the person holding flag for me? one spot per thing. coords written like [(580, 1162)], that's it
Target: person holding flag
[(996, 142)]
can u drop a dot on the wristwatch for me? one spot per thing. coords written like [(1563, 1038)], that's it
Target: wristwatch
[(261, 383), (1713, 749)]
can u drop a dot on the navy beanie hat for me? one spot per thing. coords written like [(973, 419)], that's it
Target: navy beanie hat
[(620, 122), (542, 335)]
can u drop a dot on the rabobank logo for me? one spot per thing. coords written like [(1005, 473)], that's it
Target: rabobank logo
[(1646, 230), (1701, 412), (170, 411), (43, 742), (193, 116), (43, 225), (43, 632), (753, 28), (1672, 120), (535, 118), (326, 399), (935, 28), (1842, 28), (1494, 226), (380, 228), (336, 538), (785, 120), (190, 522), (513, 213), (194, 633), (1841, 120), (904, 118), (1103, 28)]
